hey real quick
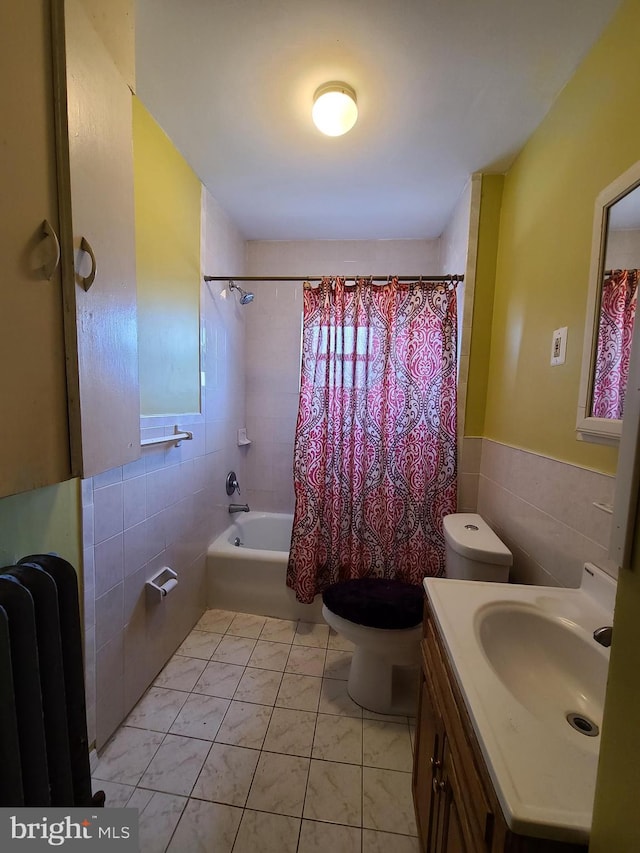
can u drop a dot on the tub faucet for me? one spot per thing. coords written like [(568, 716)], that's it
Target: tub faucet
[(239, 508), (603, 635)]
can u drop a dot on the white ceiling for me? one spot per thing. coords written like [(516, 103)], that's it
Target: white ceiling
[(445, 88)]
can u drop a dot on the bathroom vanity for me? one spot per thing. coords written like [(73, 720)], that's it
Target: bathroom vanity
[(494, 768)]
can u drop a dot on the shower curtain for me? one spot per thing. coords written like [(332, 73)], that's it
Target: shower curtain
[(615, 331), (375, 446)]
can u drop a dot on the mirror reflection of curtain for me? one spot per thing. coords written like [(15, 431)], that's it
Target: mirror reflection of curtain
[(375, 449), (615, 331)]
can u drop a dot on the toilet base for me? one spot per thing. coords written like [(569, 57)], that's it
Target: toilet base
[(378, 685)]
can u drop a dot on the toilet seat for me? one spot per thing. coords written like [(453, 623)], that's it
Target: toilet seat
[(376, 602)]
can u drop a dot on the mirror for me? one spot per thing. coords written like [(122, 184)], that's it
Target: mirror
[(615, 265)]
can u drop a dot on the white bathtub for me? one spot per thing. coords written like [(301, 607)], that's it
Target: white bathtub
[(251, 577)]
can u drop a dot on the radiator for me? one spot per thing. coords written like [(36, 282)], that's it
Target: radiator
[(44, 752)]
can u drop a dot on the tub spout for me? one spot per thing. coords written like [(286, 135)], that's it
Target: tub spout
[(239, 508)]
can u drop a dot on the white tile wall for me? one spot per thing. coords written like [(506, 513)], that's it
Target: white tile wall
[(541, 508), (164, 508)]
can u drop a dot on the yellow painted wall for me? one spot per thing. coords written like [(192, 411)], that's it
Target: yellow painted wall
[(589, 137), (489, 221), (40, 521), (167, 203)]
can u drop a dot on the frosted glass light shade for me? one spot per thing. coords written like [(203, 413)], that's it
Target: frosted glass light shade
[(334, 109)]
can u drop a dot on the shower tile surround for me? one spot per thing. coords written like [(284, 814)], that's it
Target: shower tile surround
[(238, 770), (274, 336)]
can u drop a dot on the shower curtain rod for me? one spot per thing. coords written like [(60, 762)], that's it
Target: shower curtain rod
[(321, 277)]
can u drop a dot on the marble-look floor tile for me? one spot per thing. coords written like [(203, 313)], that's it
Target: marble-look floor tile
[(311, 634), (387, 802), (258, 685), (176, 765), (300, 692), (268, 833), (227, 774), (384, 718), (127, 755), (306, 660), (334, 793), (141, 798), (338, 738), (337, 641), (159, 816), (318, 837), (290, 732), (386, 842), (246, 625), (269, 655), (216, 621), (205, 826), (200, 716), (157, 709), (278, 631), (337, 664), (245, 724), (236, 650), (117, 794), (334, 699), (180, 673), (219, 679), (386, 745), (279, 784), (199, 644)]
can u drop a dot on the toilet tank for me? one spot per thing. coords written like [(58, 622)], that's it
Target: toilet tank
[(473, 551)]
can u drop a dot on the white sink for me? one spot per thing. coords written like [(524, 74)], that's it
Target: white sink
[(549, 663), (525, 660)]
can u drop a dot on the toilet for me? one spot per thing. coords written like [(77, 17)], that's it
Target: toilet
[(383, 618)]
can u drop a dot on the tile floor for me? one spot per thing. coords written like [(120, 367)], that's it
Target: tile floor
[(248, 742)]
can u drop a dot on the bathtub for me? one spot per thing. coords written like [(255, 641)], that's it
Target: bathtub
[(251, 577)]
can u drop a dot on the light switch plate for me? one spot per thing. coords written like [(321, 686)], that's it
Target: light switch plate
[(559, 346)]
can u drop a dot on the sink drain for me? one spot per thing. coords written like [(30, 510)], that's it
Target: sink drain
[(583, 725)]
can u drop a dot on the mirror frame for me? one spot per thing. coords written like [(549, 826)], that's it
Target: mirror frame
[(599, 430)]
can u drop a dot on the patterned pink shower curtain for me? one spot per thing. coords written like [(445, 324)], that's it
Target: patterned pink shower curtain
[(375, 448), (615, 331)]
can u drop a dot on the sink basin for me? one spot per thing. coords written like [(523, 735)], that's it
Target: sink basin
[(526, 662), (548, 663)]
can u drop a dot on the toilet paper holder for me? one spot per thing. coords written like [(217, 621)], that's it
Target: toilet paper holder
[(161, 584)]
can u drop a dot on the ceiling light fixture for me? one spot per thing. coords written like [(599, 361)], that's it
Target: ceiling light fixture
[(334, 108)]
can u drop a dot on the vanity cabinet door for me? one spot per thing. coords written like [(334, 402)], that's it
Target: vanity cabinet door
[(34, 428), (427, 760), (100, 271), (452, 835)]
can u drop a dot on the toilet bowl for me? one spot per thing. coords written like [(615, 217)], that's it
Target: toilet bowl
[(383, 618)]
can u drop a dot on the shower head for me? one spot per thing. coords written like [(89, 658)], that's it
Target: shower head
[(245, 297)]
